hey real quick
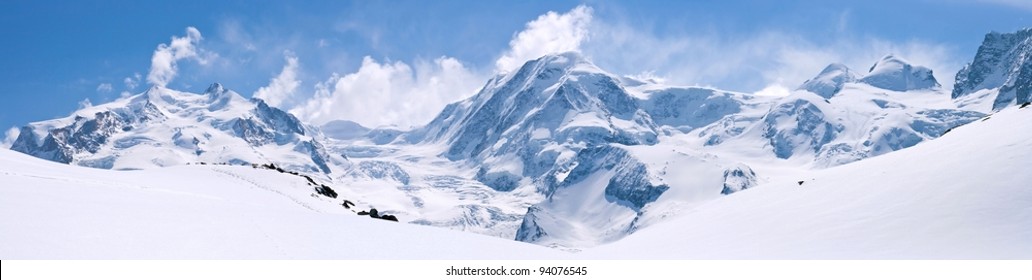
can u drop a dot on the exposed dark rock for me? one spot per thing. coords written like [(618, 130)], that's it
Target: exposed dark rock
[(326, 191)]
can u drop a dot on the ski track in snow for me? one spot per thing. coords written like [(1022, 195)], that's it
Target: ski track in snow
[(265, 188)]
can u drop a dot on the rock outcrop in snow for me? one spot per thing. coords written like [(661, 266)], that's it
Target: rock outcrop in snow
[(738, 177)]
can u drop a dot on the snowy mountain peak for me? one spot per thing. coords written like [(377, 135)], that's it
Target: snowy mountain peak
[(1000, 74), (215, 88), (895, 73), (835, 68), (569, 60), (554, 65), (830, 80)]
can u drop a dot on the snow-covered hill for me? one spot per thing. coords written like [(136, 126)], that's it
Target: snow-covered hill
[(964, 195), (164, 127), (56, 211)]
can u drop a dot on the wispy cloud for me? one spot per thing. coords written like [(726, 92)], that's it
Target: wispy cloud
[(750, 62), (166, 57), (85, 103), (391, 93), (9, 136), (284, 86), (104, 88), (132, 82), (550, 33)]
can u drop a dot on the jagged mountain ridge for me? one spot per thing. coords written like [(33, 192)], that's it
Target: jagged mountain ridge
[(162, 127)]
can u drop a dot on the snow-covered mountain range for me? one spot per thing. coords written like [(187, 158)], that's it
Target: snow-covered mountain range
[(563, 153), (164, 127), (926, 202)]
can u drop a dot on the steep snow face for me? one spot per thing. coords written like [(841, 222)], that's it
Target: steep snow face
[(894, 73), (799, 124), (830, 80), (1000, 74), (163, 127), (608, 192), (628, 187), (686, 109)]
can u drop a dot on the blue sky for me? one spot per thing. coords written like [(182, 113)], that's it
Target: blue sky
[(400, 62)]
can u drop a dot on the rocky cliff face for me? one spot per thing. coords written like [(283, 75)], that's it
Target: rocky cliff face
[(1001, 72)]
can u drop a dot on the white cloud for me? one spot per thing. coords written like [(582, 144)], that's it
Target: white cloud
[(232, 31), (9, 137), (282, 87), (648, 76), (549, 33), (104, 88), (390, 93), (166, 57), (775, 89)]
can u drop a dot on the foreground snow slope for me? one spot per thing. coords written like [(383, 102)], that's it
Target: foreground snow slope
[(55, 211), (965, 195)]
